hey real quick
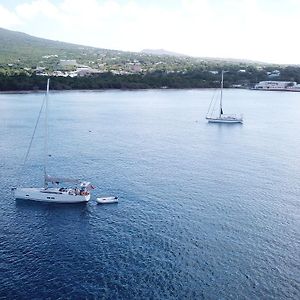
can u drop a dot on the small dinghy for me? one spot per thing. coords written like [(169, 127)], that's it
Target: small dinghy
[(107, 200)]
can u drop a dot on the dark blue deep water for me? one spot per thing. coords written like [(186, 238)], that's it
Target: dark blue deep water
[(206, 211)]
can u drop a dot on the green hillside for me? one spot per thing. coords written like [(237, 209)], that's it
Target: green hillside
[(23, 49), (20, 46), (28, 51)]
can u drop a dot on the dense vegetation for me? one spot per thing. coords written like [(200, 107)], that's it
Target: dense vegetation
[(158, 79), (105, 81), (21, 55)]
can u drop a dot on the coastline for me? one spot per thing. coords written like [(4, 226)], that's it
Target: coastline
[(107, 89), (109, 81)]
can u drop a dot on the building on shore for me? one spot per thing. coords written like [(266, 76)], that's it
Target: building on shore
[(291, 86), (68, 62)]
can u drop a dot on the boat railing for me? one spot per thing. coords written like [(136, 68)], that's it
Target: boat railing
[(235, 116)]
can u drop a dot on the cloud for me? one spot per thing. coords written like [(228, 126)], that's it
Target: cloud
[(29, 11), (233, 28), (8, 19)]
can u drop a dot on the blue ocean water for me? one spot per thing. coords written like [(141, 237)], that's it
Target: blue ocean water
[(206, 211)]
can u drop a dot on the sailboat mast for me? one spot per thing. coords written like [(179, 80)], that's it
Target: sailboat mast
[(46, 135), (222, 83)]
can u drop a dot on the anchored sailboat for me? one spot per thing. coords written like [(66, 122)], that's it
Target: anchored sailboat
[(53, 191), (221, 117)]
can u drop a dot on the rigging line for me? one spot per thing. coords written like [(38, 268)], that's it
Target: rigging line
[(215, 101), (212, 100), (30, 144), (34, 130)]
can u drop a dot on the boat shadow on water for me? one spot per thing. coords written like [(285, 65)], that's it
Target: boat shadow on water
[(24, 204), (224, 124)]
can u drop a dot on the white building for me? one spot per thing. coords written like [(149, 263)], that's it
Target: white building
[(68, 62), (275, 73), (60, 74), (275, 85)]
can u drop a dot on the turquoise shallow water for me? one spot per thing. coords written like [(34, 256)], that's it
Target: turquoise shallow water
[(206, 210)]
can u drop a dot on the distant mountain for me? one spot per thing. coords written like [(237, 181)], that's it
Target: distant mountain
[(162, 52)]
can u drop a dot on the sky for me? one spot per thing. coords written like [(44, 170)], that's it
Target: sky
[(262, 30)]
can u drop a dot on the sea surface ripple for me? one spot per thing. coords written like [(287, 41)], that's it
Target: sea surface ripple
[(206, 211)]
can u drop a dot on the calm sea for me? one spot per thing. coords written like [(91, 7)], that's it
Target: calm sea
[(206, 210)]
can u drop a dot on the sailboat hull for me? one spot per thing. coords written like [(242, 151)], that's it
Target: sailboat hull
[(223, 120), (50, 195)]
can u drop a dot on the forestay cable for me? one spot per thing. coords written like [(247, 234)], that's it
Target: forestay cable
[(34, 130)]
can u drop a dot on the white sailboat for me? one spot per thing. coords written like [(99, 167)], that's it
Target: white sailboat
[(221, 117), (53, 191)]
